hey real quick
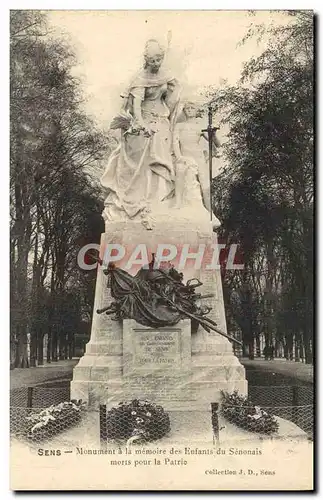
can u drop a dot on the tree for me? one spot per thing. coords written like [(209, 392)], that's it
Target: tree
[(265, 195), (54, 200)]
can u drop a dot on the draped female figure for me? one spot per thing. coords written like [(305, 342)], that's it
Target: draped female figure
[(139, 178)]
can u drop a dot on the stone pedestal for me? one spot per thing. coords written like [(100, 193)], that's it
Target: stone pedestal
[(173, 366)]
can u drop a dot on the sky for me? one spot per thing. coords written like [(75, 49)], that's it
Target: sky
[(109, 46)]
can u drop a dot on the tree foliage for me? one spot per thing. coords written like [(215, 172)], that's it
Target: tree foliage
[(265, 194), (55, 205)]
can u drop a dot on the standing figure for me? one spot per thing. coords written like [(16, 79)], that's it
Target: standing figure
[(139, 176), (190, 146)]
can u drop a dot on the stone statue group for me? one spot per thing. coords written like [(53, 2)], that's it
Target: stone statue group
[(160, 164)]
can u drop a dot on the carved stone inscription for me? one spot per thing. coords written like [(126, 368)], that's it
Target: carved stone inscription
[(156, 351), (157, 347), (154, 387)]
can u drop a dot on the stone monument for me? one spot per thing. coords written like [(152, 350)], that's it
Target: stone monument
[(158, 198)]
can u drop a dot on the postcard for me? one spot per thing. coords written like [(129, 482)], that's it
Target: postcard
[(161, 201)]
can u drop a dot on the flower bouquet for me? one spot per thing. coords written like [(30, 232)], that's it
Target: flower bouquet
[(52, 420), (241, 411), (138, 421)]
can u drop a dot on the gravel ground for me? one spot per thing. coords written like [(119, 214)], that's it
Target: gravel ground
[(25, 377), (291, 371)]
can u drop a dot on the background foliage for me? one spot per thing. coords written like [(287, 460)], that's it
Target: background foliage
[(55, 205), (265, 194)]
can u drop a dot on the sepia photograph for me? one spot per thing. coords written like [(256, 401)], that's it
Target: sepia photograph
[(162, 250)]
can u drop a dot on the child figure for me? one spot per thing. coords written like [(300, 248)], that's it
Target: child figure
[(190, 146)]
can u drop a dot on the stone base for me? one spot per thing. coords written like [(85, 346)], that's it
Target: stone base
[(181, 379)]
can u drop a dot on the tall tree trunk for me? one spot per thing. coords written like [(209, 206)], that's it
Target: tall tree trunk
[(251, 351), (49, 347), (301, 350), (70, 350), (54, 344), (290, 347), (40, 350), (33, 348), (34, 323), (308, 352), (61, 348), (21, 351), (297, 349), (258, 349), (23, 228)]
